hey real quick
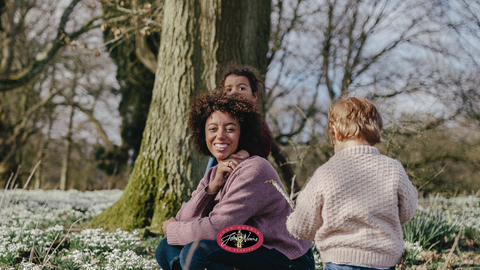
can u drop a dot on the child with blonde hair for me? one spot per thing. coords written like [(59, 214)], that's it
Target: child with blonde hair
[(355, 204)]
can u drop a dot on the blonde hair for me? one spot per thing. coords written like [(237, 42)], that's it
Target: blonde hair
[(354, 117)]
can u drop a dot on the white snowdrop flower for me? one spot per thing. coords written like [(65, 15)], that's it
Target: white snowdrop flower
[(28, 266)]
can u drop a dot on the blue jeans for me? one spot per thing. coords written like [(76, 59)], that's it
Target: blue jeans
[(333, 266), (209, 255)]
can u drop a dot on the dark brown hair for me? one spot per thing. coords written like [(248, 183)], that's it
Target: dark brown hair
[(355, 118), (237, 106), (250, 73)]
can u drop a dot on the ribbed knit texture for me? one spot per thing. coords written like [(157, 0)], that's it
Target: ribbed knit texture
[(353, 207), (245, 199)]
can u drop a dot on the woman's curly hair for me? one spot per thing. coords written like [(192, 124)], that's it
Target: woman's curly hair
[(237, 106)]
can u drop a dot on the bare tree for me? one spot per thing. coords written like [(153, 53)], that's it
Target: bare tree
[(140, 20), (321, 50), (75, 77), (18, 17)]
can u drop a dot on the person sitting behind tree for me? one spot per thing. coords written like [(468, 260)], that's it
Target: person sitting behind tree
[(355, 204)]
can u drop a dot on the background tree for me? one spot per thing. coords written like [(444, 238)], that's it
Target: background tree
[(15, 73), (32, 118), (392, 52), (198, 38), (133, 47)]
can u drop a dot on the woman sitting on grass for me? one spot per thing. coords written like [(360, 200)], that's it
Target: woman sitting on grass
[(227, 196)]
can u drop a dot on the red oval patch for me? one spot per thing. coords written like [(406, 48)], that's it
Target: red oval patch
[(240, 238)]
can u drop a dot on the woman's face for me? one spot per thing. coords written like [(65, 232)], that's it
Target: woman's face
[(222, 134), (240, 84)]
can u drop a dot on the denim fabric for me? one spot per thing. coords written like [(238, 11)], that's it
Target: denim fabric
[(333, 266), (167, 256), (209, 255), (212, 161)]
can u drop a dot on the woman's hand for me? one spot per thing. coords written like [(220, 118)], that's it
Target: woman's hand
[(240, 156), (237, 158), (223, 171), (166, 223), (225, 167)]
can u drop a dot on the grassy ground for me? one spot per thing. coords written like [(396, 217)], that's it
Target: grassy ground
[(45, 230)]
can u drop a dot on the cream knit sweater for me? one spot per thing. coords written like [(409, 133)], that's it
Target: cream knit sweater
[(353, 208)]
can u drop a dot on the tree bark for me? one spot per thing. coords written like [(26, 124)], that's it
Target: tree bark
[(41, 155), (198, 38), (66, 157)]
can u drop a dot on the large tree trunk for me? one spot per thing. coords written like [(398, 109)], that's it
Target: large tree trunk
[(198, 38)]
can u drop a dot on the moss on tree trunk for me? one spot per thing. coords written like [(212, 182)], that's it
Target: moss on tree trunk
[(198, 38)]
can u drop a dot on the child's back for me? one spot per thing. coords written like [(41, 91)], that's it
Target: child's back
[(355, 204)]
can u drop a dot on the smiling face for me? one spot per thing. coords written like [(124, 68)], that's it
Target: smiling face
[(222, 134), (240, 84)]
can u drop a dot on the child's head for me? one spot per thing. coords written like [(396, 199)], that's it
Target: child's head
[(240, 79), (354, 118)]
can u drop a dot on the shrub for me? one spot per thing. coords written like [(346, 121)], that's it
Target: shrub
[(429, 228)]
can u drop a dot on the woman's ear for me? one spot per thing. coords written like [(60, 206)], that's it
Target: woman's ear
[(255, 96)]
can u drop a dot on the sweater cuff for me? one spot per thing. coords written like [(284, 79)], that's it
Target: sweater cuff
[(173, 233), (209, 193)]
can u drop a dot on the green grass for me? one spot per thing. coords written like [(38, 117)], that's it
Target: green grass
[(430, 229)]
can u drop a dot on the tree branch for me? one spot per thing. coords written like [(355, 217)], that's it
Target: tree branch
[(144, 53), (29, 73), (21, 125), (97, 125), (326, 52), (62, 39)]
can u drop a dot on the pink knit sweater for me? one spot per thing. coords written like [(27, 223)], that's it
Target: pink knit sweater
[(353, 208), (245, 199)]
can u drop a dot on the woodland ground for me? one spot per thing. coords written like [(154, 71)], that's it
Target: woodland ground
[(45, 229)]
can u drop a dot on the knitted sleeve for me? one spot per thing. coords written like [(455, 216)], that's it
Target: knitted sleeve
[(407, 197), (195, 208), (232, 209), (304, 222)]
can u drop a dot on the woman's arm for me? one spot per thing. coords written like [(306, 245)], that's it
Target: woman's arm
[(201, 200), (244, 187)]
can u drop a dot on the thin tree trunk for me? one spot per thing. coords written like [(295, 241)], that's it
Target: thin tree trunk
[(198, 38), (41, 155), (38, 177), (66, 157)]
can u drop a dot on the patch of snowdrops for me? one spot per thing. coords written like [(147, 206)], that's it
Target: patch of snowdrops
[(33, 233), (33, 236)]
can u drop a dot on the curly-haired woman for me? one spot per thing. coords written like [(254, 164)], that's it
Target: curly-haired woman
[(245, 81), (227, 196)]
